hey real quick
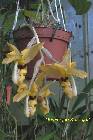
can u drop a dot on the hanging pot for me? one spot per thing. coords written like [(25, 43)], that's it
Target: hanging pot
[(55, 41)]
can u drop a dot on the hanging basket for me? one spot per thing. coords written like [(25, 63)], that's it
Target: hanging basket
[(55, 41)]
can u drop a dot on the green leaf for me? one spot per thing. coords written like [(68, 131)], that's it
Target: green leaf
[(48, 136), (56, 123), (81, 6), (54, 107), (32, 15), (3, 11), (34, 6), (2, 135), (29, 13), (74, 126), (62, 103), (79, 99), (89, 86), (8, 23), (79, 111), (89, 135), (89, 126)]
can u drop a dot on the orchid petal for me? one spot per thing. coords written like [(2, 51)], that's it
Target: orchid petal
[(15, 73)]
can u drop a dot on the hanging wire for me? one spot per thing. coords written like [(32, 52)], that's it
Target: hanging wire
[(52, 11), (63, 19), (42, 15), (62, 15), (37, 14), (16, 15), (61, 11), (57, 12)]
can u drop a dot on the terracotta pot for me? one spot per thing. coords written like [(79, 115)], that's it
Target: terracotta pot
[(56, 45)]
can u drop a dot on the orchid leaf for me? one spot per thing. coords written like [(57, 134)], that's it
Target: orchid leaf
[(48, 136), (79, 111), (81, 6), (2, 135), (62, 103), (89, 86), (29, 13), (81, 97)]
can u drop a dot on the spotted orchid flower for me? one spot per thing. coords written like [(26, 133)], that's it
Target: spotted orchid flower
[(65, 72), (22, 57), (36, 96)]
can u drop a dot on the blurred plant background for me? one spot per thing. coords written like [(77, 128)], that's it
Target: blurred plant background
[(13, 123)]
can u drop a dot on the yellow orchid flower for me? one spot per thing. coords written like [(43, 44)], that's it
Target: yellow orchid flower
[(58, 71), (30, 107), (18, 75), (43, 95), (22, 74), (23, 91), (44, 106), (69, 88), (67, 58), (40, 92), (15, 73), (41, 101), (22, 57), (34, 90), (34, 98), (42, 98), (13, 55), (64, 70), (44, 91), (40, 79)]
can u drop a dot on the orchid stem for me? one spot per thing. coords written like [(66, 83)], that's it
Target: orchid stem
[(36, 124), (66, 125)]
